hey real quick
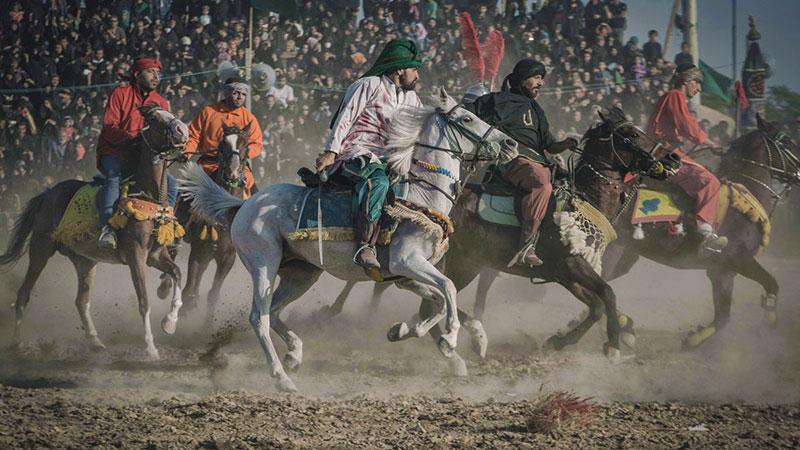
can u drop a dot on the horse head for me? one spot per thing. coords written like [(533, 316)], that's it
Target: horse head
[(162, 132), (232, 153), (618, 144), (449, 129)]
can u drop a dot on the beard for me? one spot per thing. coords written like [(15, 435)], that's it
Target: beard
[(407, 83), (531, 92)]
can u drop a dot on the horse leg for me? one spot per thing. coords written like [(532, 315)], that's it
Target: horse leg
[(417, 268), (137, 257), (485, 281), (296, 279), (225, 258), (377, 292), (462, 275), (86, 270), (722, 289), (199, 257), (330, 311), (262, 255), (752, 269), (590, 289), (163, 262), (41, 249)]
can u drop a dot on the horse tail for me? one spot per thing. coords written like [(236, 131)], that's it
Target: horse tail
[(209, 201), (23, 226)]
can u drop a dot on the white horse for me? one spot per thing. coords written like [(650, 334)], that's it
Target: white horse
[(261, 225)]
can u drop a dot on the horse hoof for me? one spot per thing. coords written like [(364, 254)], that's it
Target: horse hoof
[(397, 332), (152, 355), (168, 325), (291, 363), (552, 345), (96, 345), (479, 340), (629, 339), (695, 338), (458, 368), (771, 318), (285, 384), (612, 354), (447, 350)]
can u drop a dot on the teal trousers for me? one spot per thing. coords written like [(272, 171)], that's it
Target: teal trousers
[(371, 186)]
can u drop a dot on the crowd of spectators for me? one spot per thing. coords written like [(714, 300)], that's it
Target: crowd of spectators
[(48, 132)]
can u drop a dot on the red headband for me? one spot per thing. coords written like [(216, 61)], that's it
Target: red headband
[(142, 64)]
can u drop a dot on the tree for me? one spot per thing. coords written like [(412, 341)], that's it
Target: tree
[(782, 103)]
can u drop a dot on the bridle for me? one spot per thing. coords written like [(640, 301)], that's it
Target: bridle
[(223, 160), (631, 145), (162, 152), (448, 128), (787, 174), (618, 164)]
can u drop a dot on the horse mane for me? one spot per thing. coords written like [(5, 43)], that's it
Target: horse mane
[(403, 133), (735, 149), (612, 117)]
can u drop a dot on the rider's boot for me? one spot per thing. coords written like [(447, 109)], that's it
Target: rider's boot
[(526, 256), (712, 242), (366, 256), (108, 238)]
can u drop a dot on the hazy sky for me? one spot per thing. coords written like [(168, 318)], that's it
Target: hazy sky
[(778, 21)]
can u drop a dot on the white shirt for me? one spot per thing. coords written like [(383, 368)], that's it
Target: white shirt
[(283, 95), (364, 117)]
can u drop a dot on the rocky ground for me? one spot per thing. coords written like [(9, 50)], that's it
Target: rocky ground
[(740, 390)]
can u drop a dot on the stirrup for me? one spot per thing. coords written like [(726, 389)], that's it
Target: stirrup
[(517, 259), (107, 238), (358, 252), (713, 244)]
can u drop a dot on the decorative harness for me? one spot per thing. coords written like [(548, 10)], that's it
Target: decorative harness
[(481, 145), (617, 158), (789, 172)]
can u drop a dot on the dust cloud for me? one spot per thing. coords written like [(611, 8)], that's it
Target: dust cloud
[(350, 355)]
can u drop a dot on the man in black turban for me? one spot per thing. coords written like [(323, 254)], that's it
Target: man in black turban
[(516, 113)]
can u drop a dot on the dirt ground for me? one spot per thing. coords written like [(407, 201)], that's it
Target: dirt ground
[(740, 390)]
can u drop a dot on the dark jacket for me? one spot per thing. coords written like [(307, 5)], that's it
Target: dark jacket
[(518, 116)]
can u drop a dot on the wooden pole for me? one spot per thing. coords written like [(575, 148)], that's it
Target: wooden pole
[(669, 28), (248, 61)]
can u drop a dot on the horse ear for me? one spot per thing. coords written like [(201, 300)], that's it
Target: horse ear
[(762, 124), (247, 128), (602, 117), (443, 97)]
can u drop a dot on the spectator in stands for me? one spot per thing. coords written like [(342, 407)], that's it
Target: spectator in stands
[(684, 57), (651, 49)]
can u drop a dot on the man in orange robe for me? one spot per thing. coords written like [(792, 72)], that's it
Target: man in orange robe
[(206, 131)]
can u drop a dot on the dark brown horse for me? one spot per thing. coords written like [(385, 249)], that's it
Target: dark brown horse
[(612, 149), (754, 160), (214, 241), (137, 246)]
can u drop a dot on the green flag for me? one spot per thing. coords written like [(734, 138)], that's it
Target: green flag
[(286, 8), (715, 83)]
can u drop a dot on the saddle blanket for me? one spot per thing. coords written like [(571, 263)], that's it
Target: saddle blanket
[(498, 210), (338, 223), (654, 206), (80, 219)]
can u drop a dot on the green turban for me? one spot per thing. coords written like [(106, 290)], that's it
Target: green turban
[(397, 55)]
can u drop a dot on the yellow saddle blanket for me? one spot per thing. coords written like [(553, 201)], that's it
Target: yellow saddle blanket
[(80, 219), (660, 206)]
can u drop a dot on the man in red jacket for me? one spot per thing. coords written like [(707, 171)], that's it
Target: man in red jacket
[(671, 122), (122, 122)]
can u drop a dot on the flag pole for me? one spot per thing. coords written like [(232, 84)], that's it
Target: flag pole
[(248, 61)]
